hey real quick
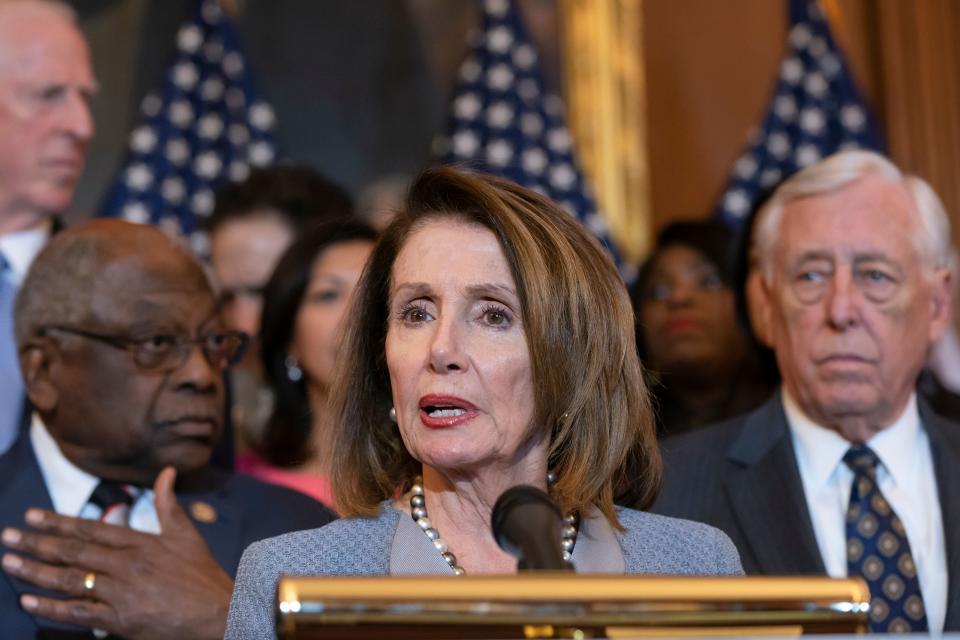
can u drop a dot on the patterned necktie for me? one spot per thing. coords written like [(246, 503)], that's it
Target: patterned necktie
[(114, 501), (11, 385), (878, 550)]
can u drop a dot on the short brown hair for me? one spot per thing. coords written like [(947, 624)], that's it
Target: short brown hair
[(588, 381)]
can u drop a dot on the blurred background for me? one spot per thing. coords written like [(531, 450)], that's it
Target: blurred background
[(360, 88)]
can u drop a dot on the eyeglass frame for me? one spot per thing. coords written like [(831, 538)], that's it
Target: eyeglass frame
[(131, 345)]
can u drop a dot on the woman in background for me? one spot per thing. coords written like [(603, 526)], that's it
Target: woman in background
[(688, 333), (304, 304)]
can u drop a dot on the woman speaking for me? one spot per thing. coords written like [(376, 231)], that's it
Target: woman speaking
[(491, 344)]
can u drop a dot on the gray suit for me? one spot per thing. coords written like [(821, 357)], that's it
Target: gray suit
[(742, 476), (361, 547)]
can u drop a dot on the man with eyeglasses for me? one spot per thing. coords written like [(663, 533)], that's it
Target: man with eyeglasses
[(845, 471), (123, 352)]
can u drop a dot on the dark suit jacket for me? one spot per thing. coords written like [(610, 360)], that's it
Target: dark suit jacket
[(742, 477), (247, 510), (942, 400)]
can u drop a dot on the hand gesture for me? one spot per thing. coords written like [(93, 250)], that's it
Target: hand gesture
[(132, 584)]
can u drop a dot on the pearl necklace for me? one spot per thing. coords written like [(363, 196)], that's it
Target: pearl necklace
[(418, 510)]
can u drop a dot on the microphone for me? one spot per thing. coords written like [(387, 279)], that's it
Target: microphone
[(527, 525)]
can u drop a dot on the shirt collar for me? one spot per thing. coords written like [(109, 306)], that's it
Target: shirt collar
[(820, 450), (69, 486), (22, 247), (895, 445)]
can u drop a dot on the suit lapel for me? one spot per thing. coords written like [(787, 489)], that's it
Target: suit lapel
[(945, 445), (21, 487), (764, 489), (207, 501)]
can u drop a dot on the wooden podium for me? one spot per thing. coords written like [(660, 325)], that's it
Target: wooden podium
[(548, 605)]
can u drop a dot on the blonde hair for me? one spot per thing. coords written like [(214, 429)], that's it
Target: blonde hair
[(589, 389)]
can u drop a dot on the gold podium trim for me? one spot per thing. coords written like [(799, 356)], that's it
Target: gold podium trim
[(556, 605)]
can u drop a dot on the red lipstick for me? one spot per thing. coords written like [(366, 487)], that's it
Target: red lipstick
[(443, 411)]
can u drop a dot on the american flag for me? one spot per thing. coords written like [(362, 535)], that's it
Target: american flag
[(503, 121), (816, 110), (205, 125)]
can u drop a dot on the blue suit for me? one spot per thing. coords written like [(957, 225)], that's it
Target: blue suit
[(246, 510)]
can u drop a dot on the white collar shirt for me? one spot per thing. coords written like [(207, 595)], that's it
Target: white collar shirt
[(70, 487), (906, 479), (21, 247)]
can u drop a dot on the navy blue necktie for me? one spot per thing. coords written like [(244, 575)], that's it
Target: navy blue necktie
[(11, 384), (878, 550)]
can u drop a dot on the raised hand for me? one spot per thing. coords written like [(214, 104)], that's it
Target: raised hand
[(132, 584)]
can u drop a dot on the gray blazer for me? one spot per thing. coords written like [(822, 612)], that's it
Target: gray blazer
[(742, 476), (651, 544)]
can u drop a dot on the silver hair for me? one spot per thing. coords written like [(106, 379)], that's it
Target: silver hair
[(59, 287), (931, 237)]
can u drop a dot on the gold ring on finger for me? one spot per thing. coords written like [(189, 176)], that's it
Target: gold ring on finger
[(89, 581)]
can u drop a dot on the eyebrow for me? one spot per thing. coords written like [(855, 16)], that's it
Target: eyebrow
[(858, 258), (415, 288), (154, 315), (815, 254), (699, 265), (489, 290), (873, 257), (326, 278), (865, 258), (481, 290)]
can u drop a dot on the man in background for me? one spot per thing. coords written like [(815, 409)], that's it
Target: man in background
[(123, 351), (46, 84), (252, 224), (845, 471)]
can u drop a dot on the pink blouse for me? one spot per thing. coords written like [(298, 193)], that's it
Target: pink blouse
[(315, 486)]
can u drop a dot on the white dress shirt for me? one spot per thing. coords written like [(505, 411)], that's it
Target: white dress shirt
[(70, 487), (22, 247), (906, 479)]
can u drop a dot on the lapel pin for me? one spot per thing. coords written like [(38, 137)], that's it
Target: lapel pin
[(203, 512)]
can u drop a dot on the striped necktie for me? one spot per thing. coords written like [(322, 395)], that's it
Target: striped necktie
[(878, 550), (11, 384), (114, 501)]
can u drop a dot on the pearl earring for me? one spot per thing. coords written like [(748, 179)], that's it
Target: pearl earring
[(393, 414), (293, 369)]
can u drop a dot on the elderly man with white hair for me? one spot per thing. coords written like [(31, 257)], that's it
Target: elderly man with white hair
[(844, 471), (46, 85)]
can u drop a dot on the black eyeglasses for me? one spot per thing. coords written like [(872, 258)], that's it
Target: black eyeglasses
[(164, 353)]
